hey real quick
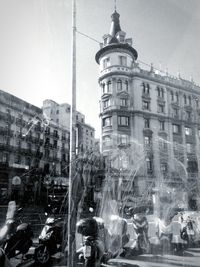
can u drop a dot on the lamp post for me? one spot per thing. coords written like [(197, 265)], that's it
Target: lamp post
[(72, 136)]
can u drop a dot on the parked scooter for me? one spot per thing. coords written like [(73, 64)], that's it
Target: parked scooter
[(92, 250), (50, 240), (15, 237), (188, 232), (140, 226)]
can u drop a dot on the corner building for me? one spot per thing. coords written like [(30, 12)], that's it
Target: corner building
[(150, 126)]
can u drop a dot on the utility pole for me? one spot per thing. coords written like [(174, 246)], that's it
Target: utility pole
[(72, 137)]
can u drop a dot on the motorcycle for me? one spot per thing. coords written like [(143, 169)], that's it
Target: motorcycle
[(140, 226), (15, 236), (188, 232), (91, 252), (50, 240)]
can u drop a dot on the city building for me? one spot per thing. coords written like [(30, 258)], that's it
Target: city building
[(31, 146), (60, 113), (150, 126)]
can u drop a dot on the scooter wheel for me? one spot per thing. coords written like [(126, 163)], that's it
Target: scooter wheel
[(42, 255)]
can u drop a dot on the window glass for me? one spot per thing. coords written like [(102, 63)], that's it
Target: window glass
[(123, 60), (119, 85), (145, 105), (106, 62), (107, 121), (123, 120)]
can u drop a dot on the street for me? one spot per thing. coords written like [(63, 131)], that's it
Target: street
[(189, 258)]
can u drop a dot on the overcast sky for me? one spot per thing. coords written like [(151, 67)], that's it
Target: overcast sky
[(35, 45)]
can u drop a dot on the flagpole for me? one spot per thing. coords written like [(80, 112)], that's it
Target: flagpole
[(72, 134)]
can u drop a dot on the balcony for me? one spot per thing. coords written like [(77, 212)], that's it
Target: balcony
[(116, 69)]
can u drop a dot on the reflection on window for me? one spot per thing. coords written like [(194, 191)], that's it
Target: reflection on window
[(123, 139), (123, 121), (106, 62), (146, 105), (123, 102), (107, 121)]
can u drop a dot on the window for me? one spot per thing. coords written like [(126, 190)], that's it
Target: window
[(103, 88), (109, 87), (123, 102), (185, 99), (188, 131), (189, 148), (146, 123), (176, 128), (162, 125), (107, 121), (146, 105), (123, 139), (162, 144), (160, 92), (163, 167), (188, 115), (149, 165), (161, 108), (5, 157), (197, 103), (122, 60), (176, 97), (55, 144), (147, 141), (106, 62), (57, 111), (17, 159), (123, 121), (106, 103), (119, 85), (107, 140), (175, 112), (172, 96), (126, 85), (189, 100), (146, 88)]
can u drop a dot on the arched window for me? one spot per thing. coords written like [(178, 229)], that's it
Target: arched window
[(109, 86), (126, 85), (119, 85)]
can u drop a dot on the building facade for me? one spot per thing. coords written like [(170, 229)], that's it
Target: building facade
[(60, 113), (30, 145), (150, 125)]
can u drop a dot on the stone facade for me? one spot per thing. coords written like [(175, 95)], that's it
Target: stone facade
[(150, 124), (60, 113), (30, 144)]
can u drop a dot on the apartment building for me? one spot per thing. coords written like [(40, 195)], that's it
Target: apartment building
[(60, 113), (30, 144), (150, 125)]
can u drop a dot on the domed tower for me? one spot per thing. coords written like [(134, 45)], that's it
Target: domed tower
[(116, 58)]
